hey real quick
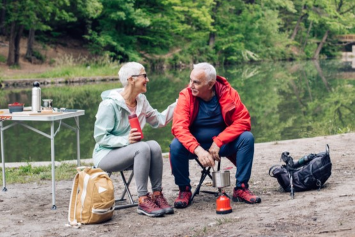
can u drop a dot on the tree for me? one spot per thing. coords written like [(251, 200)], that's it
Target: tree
[(249, 30), (16, 29), (38, 16), (336, 16), (2, 17)]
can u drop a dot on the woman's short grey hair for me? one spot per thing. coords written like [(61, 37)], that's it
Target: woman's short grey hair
[(127, 70), (210, 71)]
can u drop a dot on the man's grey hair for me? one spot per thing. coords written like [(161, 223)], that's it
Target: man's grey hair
[(208, 69), (127, 70)]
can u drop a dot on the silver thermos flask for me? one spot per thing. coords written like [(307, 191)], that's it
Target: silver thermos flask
[(36, 97)]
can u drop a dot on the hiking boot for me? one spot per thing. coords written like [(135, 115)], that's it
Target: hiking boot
[(183, 200), (148, 207), (243, 194), (161, 202)]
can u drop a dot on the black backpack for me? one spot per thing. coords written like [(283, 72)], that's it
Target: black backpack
[(309, 172)]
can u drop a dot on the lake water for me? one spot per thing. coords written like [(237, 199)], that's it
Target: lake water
[(286, 100)]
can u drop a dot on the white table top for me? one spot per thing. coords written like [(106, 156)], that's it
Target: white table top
[(33, 116)]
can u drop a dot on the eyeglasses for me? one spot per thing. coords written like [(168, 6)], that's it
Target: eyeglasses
[(144, 75)]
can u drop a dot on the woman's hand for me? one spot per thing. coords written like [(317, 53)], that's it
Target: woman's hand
[(134, 136)]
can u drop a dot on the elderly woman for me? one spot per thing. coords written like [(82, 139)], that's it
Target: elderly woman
[(118, 146)]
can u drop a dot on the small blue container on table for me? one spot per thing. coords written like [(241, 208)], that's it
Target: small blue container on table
[(16, 107)]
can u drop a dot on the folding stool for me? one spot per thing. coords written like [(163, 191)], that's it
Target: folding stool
[(204, 173), (126, 190)]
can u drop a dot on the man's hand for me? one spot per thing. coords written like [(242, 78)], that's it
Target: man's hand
[(204, 157), (134, 136), (214, 150)]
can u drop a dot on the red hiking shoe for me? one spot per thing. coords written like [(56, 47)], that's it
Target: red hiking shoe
[(243, 194), (161, 202), (183, 200), (146, 206)]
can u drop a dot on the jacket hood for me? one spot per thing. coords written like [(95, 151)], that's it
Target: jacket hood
[(115, 95), (221, 85), (222, 80), (112, 94)]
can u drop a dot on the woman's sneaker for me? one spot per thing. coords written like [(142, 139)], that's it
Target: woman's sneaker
[(243, 194), (161, 202), (146, 206)]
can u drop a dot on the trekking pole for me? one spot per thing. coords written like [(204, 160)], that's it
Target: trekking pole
[(291, 183)]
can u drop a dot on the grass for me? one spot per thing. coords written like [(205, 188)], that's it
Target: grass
[(68, 67), (69, 72), (29, 173), (2, 59)]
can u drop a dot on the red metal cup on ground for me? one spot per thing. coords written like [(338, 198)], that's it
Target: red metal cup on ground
[(134, 122)]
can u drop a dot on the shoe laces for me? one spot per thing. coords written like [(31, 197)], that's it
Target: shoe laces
[(149, 202), (246, 191), (183, 194), (161, 199)]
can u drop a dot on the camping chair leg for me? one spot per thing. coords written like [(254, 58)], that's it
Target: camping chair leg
[(126, 184), (126, 190), (204, 172)]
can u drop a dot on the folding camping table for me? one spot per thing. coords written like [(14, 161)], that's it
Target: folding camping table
[(20, 117)]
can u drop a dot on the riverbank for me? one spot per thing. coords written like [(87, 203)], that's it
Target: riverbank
[(18, 83), (26, 208)]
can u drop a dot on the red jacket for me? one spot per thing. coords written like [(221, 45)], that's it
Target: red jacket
[(234, 112)]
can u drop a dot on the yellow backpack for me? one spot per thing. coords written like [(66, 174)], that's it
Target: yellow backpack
[(92, 197)]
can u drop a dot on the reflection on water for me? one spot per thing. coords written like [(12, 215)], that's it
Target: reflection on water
[(286, 100)]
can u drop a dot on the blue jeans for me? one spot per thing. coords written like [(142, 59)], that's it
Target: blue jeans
[(243, 147)]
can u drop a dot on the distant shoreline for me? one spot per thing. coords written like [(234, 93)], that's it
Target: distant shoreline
[(20, 83)]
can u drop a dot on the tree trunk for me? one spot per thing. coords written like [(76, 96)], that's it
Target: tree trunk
[(212, 37), (30, 42), (17, 44), (14, 44), (320, 46), (2, 18), (308, 31), (320, 72), (11, 54), (295, 31)]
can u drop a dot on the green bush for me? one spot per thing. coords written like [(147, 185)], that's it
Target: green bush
[(39, 56), (2, 58)]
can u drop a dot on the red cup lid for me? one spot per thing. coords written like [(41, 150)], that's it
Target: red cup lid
[(16, 104)]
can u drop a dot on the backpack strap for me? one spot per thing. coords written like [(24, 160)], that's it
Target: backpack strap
[(271, 170), (72, 204)]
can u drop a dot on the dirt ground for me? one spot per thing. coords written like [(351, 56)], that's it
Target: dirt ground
[(25, 209)]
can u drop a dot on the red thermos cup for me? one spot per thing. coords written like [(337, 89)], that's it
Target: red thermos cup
[(134, 122)]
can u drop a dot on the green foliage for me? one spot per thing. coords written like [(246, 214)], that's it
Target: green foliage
[(309, 49), (39, 56), (2, 58), (179, 32)]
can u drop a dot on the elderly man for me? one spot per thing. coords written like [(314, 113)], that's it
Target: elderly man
[(210, 121)]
